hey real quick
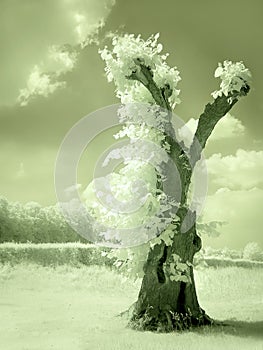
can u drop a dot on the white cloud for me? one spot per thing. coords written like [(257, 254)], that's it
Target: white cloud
[(240, 171), (47, 35), (38, 84), (227, 127), (66, 60), (242, 210)]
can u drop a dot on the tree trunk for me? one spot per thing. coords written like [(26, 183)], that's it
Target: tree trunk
[(167, 299), (164, 302)]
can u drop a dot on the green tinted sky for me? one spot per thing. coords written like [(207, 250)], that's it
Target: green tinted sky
[(197, 34)]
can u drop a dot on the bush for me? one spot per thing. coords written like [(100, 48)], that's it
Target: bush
[(252, 251), (74, 254), (33, 223)]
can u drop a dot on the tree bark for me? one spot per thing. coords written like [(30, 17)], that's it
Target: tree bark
[(167, 299), (164, 304)]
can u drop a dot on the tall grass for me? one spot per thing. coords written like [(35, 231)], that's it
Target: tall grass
[(76, 309)]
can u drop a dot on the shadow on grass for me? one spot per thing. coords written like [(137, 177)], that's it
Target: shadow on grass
[(237, 328)]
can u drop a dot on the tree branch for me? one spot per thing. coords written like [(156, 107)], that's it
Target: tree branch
[(209, 118), (144, 75)]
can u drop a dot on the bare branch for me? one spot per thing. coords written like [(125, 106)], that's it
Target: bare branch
[(144, 75), (209, 118)]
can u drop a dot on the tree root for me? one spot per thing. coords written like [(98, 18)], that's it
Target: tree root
[(169, 321)]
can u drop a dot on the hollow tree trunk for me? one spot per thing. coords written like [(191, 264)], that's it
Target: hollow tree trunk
[(164, 303)]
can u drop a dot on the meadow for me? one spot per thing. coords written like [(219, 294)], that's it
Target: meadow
[(77, 308)]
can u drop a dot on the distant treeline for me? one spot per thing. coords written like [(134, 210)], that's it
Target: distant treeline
[(33, 223), (23, 223)]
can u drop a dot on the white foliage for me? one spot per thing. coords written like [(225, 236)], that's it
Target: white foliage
[(177, 270), (122, 189), (138, 132), (152, 115), (121, 63), (129, 198), (233, 77)]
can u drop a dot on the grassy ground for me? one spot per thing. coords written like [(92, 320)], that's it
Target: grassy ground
[(75, 309)]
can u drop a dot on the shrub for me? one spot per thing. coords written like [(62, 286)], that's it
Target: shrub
[(74, 254), (252, 251)]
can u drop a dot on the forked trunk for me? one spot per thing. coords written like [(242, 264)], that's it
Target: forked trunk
[(167, 299)]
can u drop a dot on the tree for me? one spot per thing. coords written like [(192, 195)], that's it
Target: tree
[(252, 251), (4, 227), (167, 299), (32, 223)]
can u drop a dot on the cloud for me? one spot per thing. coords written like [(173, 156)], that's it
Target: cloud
[(242, 210), (240, 171), (236, 198), (227, 127), (38, 84), (40, 41), (65, 59)]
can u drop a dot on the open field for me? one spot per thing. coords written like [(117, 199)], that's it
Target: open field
[(67, 308)]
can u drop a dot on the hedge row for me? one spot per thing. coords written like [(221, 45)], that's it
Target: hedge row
[(76, 254), (52, 254), (217, 262)]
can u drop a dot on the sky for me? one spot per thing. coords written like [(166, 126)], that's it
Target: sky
[(52, 76)]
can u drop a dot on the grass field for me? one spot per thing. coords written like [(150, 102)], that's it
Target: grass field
[(67, 308)]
